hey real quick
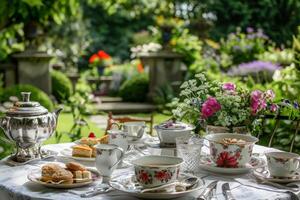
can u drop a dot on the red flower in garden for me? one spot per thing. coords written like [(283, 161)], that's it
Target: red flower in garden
[(225, 160), (140, 68), (103, 55), (100, 56), (94, 58), (92, 135)]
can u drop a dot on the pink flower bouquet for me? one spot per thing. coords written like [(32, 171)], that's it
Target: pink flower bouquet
[(221, 104)]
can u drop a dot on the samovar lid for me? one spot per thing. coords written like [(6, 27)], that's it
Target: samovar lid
[(26, 107)]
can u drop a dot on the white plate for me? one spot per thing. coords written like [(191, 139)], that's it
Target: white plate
[(35, 176), (68, 153), (263, 173), (126, 183), (207, 164)]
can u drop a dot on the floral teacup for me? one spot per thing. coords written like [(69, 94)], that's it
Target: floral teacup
[(282, 164), (231, 150), (153, 171)]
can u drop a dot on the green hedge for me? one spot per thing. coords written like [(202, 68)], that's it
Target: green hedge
[(36, 95), (135, 89), (62, 87)]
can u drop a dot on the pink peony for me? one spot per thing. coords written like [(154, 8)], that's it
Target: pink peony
[(273, 108), (258, 102), (210, 107), (256, 94), (229, 86), (206, 111)]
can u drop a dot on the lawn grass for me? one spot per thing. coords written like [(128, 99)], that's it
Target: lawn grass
[(65, 122)]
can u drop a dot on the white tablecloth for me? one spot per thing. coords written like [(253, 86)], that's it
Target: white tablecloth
[(15, 185)]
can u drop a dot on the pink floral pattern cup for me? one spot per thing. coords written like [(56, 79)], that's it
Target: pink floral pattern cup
[(282, 164), (230, 155), (153, 171)]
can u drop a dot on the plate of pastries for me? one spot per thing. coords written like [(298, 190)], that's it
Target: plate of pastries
[(59, 175), (84, 149)]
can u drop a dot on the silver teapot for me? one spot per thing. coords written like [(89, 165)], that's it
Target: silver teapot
[(28, 124)]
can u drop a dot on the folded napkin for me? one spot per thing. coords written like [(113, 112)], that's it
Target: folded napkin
[(267, 189)]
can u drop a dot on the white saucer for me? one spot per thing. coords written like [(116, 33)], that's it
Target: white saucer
[(207, 164), (263, 173), (126, 183)]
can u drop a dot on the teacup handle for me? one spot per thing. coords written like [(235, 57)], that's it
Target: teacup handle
[(119, 126), (120, 158), (141, 131)]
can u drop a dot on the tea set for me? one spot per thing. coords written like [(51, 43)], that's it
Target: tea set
[(159, 175)]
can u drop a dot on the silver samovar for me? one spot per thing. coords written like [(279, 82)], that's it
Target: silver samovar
[(28, 124)]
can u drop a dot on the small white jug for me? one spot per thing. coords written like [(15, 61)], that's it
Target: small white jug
[(107, 159)]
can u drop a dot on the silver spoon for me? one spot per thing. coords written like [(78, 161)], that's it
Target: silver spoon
[(186, 183)]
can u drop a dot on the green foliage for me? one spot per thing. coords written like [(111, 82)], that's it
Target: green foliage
[(287, 81), (186, 44), (62, 87), (283, 57), (8, 41), (78, 105), (135, 89), (242, 47), (163, 97), (279, 18), (106, 21), (36, 95)]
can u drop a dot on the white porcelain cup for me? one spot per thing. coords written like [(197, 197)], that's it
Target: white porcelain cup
[(282, 164), (134, 130), (231, 155), (119, 138), (107, 159), (152, 171)]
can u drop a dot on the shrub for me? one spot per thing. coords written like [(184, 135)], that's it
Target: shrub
[(62, 87), (135, 89), (36, 95)]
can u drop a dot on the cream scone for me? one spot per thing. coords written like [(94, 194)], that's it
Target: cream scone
[(48, 170), (63, 176), (73, 166)]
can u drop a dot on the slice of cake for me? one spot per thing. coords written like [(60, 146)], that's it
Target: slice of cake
[(93, 152), (89, 141), (82, 151)]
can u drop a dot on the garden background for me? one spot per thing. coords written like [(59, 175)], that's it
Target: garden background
[(254, 44)]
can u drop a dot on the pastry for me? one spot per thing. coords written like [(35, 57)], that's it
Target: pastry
[(89, 141), (72, 166), (94, 152), (77, 176), (63, 176), (87, 175), (48, 170), (82, 151)]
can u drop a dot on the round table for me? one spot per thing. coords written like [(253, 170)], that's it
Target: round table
[(15, 185)]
